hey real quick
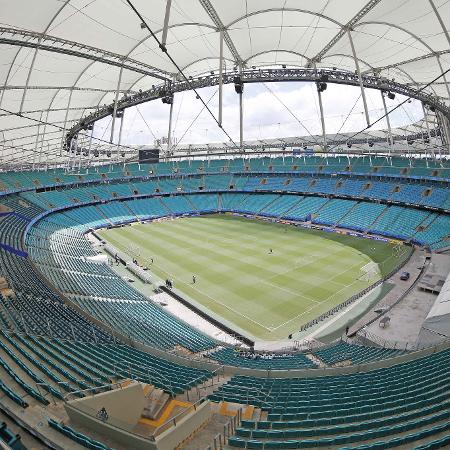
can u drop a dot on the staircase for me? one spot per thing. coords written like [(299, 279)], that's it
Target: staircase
[(266, 206), (130, 211), (377, 218), (347, 213), (103, 215), (194, 208), (156, 401), (170, 213), (283, 214)]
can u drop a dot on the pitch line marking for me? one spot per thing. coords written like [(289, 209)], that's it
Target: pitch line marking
[(323, 301), (271, 329), (297, 294), (211, 298)]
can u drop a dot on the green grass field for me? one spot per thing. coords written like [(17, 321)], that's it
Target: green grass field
[(266, 295)]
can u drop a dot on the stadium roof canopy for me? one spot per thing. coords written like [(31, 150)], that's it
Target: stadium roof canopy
[(61, 59)]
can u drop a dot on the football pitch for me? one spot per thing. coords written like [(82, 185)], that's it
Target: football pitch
[(265, 278)]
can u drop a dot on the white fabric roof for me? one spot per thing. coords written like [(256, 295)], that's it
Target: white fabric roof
[(400, 38)]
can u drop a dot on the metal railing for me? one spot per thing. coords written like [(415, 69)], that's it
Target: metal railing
[(229, 429), (173, 421)]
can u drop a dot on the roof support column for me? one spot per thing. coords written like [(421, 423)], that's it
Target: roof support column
[(445, 131), (241, 115), (43, 137), (358, 70), (220, 76), (166, 23), (425, 116), (120, 132), (322, 118), (90, 141), (65, 120), (115, 106), (169, 133), (388, 122), (37, 140)]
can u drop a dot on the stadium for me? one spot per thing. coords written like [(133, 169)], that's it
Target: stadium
[(224, 224)]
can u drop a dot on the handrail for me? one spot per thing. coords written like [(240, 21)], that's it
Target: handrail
[(173, 420)]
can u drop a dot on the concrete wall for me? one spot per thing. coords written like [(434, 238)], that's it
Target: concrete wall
[(168, 440), (129, 440), (115, 430), (123, 404)]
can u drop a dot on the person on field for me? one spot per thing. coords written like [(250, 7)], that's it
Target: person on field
[(193, 279)]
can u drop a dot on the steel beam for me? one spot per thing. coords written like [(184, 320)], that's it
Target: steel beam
[(221, 27), (29, 39), (116, 98), (166, 23), (120, 134), (169, 133), (241, 114), (358, 70), (425, 116), (350, 24), (267, 75), (219, 119), (65, 120), (388, 121), (322, 118)]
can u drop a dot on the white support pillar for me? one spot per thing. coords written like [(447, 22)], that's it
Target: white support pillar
[(445, 130), (37, 140), (65, 119), (166, 23), (120, 133), (425, 116), (115, 105), (358, 70), (220, 77), (322, 118), (388, 122), (43, 135), (169, 133), (90, 141), (241, 114)]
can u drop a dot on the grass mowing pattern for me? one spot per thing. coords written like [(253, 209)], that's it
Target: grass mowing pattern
[(266, 295)]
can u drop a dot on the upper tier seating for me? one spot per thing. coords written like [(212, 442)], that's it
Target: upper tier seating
[(393, 167)]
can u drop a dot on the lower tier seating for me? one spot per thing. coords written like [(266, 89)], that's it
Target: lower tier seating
[(230, 357), (384, 408), (355, 354)]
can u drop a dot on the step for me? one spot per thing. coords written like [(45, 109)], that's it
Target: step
[(156, 402)]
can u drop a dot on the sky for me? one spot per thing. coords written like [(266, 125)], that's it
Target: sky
[(271, 110)]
